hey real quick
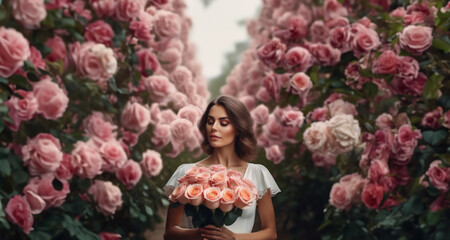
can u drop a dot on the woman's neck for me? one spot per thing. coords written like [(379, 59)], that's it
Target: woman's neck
[(226, 156)]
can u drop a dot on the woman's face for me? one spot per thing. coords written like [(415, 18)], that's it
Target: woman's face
[(219, 129)]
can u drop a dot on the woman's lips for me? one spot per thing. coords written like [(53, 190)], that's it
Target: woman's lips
[(214, 138)]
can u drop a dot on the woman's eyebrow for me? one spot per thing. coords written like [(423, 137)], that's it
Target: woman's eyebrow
[(219, 118)]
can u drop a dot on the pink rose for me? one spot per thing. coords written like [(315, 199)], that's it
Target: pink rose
[(439, 176), (431, 119), (43, 187), (42, 154), (147, 61), (378, 169), (142, 26), (387, 63), (416, 39), (320, 114), (129, 174), (325, 54), (365, 40), (384, 121), (158, 86), (399, 12), (446, 122), (99, 32), (324, 160), (181, 129), (181, 76), (340, 196), (372, 195), (194, 194), (401, 174), (318, 137), (167, 24), (96, 127), (271, 53), (342, 107), (14, 50), (300, 83), (29, 13), (354, 184), (126, 10), (408, 67), (439, 203), (65, 169), (298, 59), (293, 118), (113, 155), (407, 136), (291, 27), (135, 117), (104, 8), (52, 101), (86, 160), (340, 38), (18, 211), (151, 163), (260, 114), (109, 236), (334, 9), (37, 204), (21, 109), (319, 31), (58, 49), (167, 116), (170, 59), (161, 135), (274, 154), (212, 197), (107, 196)]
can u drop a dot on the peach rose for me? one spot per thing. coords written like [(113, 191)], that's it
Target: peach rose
[(416, 39), (212, 197), (151, 163), (203, 178), (191, 173), (135, 117), (340, 196), (18, 211), (42, 154), (346, 132), (219, 179), (29, 13), (107, 196), (167, 24), (244, 197), (227, 200), (113, 155), (218, 168), (86, 160), (194, 193), (129, 174), (178, 194), (14, 50)]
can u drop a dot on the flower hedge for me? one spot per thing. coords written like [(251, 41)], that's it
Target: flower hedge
[(94, 95), (351, 101)]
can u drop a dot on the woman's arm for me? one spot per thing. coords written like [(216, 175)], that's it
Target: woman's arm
[(174, 231), (268, 227)]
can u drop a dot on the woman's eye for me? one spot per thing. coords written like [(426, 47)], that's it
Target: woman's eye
[(210, 122), (224, 124)]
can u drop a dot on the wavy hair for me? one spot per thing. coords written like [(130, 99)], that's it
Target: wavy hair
[(245, 140)]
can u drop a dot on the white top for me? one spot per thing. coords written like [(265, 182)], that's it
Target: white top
[(255, 172)]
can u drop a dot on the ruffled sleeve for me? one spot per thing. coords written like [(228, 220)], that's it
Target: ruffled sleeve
[(264, 181), (173, 180)]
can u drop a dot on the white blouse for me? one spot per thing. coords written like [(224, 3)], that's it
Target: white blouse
[(255, 172)]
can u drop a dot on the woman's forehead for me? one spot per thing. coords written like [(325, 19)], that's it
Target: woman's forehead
[(218, 111)]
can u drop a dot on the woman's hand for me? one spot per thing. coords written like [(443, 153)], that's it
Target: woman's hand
[(212, 232)]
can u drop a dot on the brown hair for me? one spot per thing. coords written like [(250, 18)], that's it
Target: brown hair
[(245, 141)]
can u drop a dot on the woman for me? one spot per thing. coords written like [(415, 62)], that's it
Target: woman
[(227, 129)]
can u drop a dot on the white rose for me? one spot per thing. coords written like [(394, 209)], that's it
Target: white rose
[(345, 129)]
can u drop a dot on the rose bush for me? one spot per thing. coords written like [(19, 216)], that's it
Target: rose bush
[(94, 94), (371, 78)]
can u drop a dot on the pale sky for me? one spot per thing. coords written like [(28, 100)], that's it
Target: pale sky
[(215, 29)]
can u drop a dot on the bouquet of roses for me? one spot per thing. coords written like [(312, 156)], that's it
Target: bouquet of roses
[(213, 195)]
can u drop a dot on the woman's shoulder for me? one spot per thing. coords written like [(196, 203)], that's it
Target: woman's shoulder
[(258, 168)]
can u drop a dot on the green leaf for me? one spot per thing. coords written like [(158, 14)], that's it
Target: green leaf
[(370, 90), (442, 44), (204, 214), (5, 168), (33, 77), (218, 218), (190, 210), (435, 137), (230, 218), (149, 210), (434, 83), (19, 81), (279, 70), (412, 206), (38, 235), (433, 218), (175, 205), (3, 109)]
